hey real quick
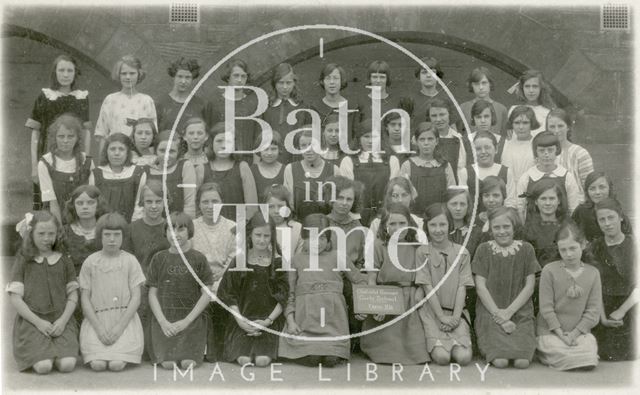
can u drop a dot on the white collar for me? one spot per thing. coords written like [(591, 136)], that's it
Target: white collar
[(536, 174), (511, 249), (278, 101), (451, 133), (418, 161), (364, 155), (54, 95), (51, 259)]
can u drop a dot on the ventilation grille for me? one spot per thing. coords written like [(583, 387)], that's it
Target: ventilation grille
[(184, 13), (615, 17)]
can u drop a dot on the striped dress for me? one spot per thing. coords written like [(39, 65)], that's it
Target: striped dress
[(578, 162)]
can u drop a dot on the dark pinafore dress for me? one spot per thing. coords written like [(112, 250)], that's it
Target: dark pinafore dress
[(231, 183), (300, 183), (471, 183), (375, 177), (175, 194), (450, 148), (431, 185), (262, 182), (120, 194), (65, 183)]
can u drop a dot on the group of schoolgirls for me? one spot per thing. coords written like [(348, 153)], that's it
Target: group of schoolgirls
[(107, 225)]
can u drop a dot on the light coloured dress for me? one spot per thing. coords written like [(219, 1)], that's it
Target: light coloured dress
[(506, 270), (314, 291), (439, 263), (562, 307), (119, 109), (109, 280)]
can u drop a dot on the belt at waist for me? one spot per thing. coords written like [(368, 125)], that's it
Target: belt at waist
[(111, 308)]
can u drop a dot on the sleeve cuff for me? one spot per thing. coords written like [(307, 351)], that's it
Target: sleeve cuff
[(15, 287), (33, 124), (72, 286)]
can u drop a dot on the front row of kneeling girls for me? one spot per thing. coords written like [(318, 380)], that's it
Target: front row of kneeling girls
[(44, 291)]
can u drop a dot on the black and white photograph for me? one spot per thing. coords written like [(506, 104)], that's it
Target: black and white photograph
[(287, 196)]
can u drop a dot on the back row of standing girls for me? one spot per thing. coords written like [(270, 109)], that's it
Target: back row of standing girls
[(128, 109)]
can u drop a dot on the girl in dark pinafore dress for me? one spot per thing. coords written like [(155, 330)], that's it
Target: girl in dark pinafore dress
[(371, 168), (234, 176), (268, 170), (119, 181), (258, 294), (428, 171), (181, 175), (65, 166)]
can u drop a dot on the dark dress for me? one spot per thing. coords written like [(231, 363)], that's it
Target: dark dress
[(65, 183), (617, 266), (45, 293), (301, 182), (231, 183), (77, 246), (450, 148), (246, 130), (167, 111), (178, 293), (431, 185), (505, 278), (144, 241), (541, 235), (375, 176), (120, 194), (262, 182), (256, 293)]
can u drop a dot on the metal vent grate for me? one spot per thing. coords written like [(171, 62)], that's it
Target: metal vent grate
[(184, 13), (615, 17)]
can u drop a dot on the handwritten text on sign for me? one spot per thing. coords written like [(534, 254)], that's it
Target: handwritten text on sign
[(378, 299)]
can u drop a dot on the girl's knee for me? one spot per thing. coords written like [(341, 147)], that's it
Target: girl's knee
[(98, 366), (243, 360), (500, 363), (168, 365), (462, 355), (116, 366), (331, 361), (521, 363), (66, 365), (440, 356), (187, 363), (43, 367), (262, 361)]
